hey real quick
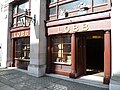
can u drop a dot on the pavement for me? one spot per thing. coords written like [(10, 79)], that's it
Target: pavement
[(13, 79)]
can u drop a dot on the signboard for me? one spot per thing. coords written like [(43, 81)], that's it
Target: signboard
[(21, 34), (80, 27), (73, 28)]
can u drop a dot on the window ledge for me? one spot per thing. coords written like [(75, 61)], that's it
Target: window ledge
[(22, 59), (62, 63)]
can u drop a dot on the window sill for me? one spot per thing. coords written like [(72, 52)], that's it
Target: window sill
[(22, 59), (62, 63)]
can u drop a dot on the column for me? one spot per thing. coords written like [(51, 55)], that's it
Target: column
[(73, 71), (37, 66), (5, 37), (107, 57)]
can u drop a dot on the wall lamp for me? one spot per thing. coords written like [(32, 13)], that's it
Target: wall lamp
[(26, 19)]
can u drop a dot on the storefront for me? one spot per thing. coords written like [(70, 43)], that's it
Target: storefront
[(20, 34), (77, 45), (21, 48)]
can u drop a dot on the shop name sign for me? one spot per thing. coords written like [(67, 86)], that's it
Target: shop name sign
[(21, 34), (73, 28)]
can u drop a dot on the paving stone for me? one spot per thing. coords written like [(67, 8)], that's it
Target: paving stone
[(4, 72), (1, 84), (39, 82), (22, 81), (67, 85), (5, 87)]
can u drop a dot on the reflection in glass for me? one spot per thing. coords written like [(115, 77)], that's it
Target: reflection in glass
[(73, 5), (97, 2), (19, 23), (52, 1), (14, 22), (15, 10), (23, 7), (52, 10)]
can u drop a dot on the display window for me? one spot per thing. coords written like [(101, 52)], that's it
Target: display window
[(22, 49), (61, 49)]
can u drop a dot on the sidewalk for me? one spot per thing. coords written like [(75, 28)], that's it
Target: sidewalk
[(12, 79)]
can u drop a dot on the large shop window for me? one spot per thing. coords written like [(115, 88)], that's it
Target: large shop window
[(22, 49), (61, 49)]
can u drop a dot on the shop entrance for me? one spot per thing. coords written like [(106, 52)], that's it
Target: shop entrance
[(90, 53), (94, 56)]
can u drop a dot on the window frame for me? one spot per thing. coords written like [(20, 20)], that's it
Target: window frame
[(57, 4), (18, 48), (62, 53), (73, 13), (16, 15)]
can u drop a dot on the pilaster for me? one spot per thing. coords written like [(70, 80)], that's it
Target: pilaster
[(37, 65), (107, 57)]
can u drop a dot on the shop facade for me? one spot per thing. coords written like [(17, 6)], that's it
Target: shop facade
[(77, 44), (20, 35), (78, 39), (27, 36)]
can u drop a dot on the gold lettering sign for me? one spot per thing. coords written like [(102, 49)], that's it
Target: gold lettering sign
[(18, 34), (14, 35), (26, 33), (67, 29), (75, 28), (59, 31), (21, 34), (85, 27)]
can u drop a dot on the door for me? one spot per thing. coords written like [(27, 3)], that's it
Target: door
[(81, 54), (94, 55)]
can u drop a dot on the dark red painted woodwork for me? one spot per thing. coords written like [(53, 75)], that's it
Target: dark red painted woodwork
[(107, 58)]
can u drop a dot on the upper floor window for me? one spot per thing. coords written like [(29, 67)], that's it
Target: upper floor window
[(51, 1), (62, 7), (98, 2), (18, 10), (76, 5), (23, 7), (68, 8), (52, 10)]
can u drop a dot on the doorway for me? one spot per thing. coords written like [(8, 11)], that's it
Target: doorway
[(95, 56)]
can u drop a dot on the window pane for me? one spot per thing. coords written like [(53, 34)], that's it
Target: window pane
[(67, 48), (14, 22), (18, 54), (52, 10), (22, 48), (97, 2), (52, 1), (15, 10), (19, 23), (61, 50), (73, 5), (23, 7)]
